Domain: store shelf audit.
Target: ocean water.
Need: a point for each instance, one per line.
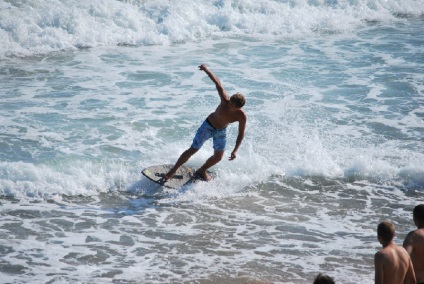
(93, 92)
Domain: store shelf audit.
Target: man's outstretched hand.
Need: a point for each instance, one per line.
(233, 156)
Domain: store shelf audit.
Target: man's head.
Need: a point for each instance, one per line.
(385, 232)
(238, 100)
(418, 214)
(323, 279)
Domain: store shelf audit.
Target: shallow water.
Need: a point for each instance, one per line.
(334, 142)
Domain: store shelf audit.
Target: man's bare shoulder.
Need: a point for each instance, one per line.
(402, 252)
(382, 253)
(243, 114)
(383, 256)
(241, 118)
(390, 252)
(379, 255)
(415, 237)
(419, 232)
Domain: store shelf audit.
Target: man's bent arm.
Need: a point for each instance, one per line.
(240, 137)
(408, 243)
(410, 274)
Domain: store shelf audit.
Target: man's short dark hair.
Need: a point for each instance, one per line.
(323, 279)
(419, 212)
(238, 100)
(386, 230)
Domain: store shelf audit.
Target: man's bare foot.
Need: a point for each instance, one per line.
(203, 176)
(168, 175)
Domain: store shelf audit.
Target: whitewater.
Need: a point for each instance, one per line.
(92, 93)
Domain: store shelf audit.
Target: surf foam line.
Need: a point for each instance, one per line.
(22, 180)
(31, 27)
(58, 178)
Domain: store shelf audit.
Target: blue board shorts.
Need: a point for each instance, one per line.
(206, 131)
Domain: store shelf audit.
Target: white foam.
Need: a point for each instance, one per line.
(66, 177)
(293, 127)
(327, 154)
(38, 27)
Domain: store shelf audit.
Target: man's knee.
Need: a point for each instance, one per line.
(192, 150)
(217, 155)
(187, 154)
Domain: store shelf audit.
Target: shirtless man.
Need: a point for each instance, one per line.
(228, 111)
(414, 243)
(392, 262)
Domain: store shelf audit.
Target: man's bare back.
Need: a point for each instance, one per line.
(392, 263)
(393, 266)
(414, 243)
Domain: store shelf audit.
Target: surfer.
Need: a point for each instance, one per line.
(228, 111)
(392, 262)
(414, 243)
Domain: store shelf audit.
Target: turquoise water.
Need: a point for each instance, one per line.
(93, 93)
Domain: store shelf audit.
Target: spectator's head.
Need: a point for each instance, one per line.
(418, 214)
(385, 232)
(323, 279)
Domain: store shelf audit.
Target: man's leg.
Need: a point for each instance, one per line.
(213, 160)
(181, 161)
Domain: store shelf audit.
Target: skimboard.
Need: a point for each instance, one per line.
(184, 175)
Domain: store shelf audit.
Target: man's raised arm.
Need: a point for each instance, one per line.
(221, 91)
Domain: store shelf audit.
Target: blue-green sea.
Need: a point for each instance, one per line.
(91, 93)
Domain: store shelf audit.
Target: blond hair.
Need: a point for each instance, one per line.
(238, 100)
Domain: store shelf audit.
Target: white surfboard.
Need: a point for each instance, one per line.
(184, 175)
